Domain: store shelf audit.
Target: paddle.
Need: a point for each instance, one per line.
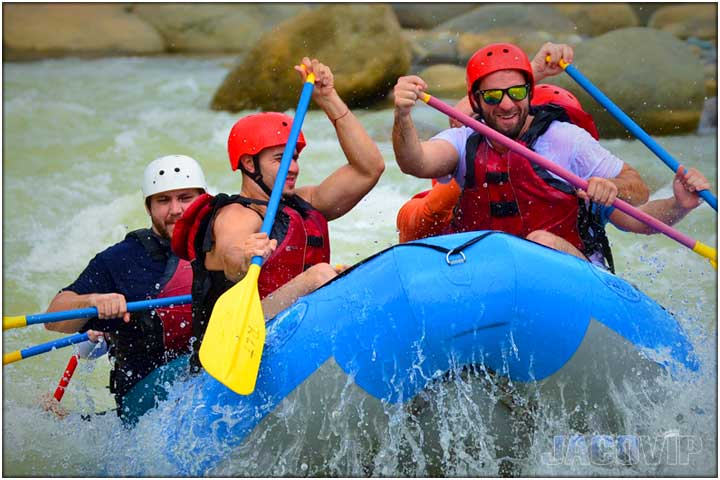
(628, 123)
(234, 339)
(696, 246)
(44, 348)
(90, 312)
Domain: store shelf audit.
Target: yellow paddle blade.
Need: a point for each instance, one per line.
(234, 339)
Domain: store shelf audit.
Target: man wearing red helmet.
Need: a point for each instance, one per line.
(502, 190)
(429, 213)
(221, 234)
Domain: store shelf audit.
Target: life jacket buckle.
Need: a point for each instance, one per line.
(456, 261)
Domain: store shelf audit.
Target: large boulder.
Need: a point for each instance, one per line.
(650, 75)
(593, 19)
(214, 27)
(529, 41)
(428, 15)
(363, 44)
(39, 30)
(429, 47)
(645, 10)
(687, 20)
(446, 81)
(535, 17)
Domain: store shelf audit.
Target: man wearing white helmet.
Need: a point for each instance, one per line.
(140, 267)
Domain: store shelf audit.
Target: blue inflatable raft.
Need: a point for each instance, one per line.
(398, 322)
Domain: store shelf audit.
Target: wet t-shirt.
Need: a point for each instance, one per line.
(126, 268)
(564, 144)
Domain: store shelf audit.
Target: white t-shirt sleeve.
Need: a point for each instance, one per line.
(574, 149)
(457, 137)
(564, 144)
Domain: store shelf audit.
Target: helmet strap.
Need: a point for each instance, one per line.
(256, 176)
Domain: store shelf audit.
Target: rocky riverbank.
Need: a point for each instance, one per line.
(658, 62)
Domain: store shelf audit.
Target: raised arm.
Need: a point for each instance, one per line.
(346, 186)
(422, 159)
(542, 68)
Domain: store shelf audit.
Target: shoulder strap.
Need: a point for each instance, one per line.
(156, 247)
(592, 233)
(543, 116)
(203, 240)
(471, 146)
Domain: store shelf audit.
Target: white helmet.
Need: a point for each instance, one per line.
(172, 172)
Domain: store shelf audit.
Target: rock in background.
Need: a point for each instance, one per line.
(362, 43)
(428, 15)
(651, 75)
(369, 45)
(32, 31)
(593, 19)
(214, 27)
(687, 20)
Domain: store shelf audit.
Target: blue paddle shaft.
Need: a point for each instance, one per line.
(55, 344)
(288, 154)
(92, 311)
(633, 127)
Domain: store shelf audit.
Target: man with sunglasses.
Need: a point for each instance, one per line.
(502, 190)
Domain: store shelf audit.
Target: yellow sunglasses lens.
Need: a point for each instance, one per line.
(492, 97)
(517, 93)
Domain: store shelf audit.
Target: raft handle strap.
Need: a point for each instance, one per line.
(456, 261)
(450, 252)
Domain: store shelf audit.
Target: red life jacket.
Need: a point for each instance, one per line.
(301, 232)
(504, 192)
(177, 320)
(507, 192)
(303, 241)
(306, 243)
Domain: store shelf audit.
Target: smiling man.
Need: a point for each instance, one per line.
(140, 267)
(221, 234)
(502, 190)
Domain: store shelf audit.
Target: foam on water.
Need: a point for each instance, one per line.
(74, 151)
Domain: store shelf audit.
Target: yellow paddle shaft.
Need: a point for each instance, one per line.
(16, 321)
(563, 64)
(12, 357)
(706, 251)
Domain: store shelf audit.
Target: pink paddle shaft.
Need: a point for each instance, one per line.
(557, 170)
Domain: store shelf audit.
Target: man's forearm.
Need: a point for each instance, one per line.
(665, 210)
(68, 300)
(406, 144)
(361, 152)
(631, 187)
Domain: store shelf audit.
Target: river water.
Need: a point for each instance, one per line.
(77, 135)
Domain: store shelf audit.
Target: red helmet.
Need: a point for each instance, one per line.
(546, 93)
(252, 134)
(493, 58)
